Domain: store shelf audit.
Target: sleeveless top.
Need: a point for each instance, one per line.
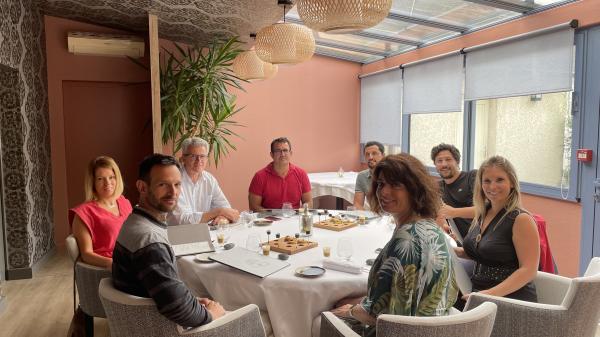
(102, 225)
(495, 255)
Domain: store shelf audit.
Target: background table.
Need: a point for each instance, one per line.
(329, 183)
(292, 302)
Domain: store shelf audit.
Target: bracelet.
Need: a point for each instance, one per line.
(350, 311)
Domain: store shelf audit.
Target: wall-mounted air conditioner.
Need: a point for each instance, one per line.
(85, 43)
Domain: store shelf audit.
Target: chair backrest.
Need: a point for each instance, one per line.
(582, 303)
(474, 323)
(72, 247)
(134, 316)
(593, 268)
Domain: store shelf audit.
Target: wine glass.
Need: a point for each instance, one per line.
(287, 210)
(344, 248)
(247, 217)
(253, 242)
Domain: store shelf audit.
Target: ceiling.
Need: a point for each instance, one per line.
(410, 24)
(191, 21)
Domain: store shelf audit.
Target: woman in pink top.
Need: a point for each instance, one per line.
(96, 223)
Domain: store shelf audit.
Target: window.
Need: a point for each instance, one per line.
(533, 132)
(429, 130)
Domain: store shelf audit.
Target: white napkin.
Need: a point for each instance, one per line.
(344, 266)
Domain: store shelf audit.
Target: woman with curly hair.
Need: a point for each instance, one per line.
(413, 274)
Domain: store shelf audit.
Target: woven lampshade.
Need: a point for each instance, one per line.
(285, 43)
(342, 16)
(248, 66)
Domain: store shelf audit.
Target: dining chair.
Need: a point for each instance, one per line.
(86, 279)
(566, 307)
(465, 324)
(133, 316)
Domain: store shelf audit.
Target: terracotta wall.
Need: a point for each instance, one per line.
(315, 104)
(64, 66)
(563, 221)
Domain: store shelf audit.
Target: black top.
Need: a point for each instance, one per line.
(459, 194)
(144, 265)
(496, 255)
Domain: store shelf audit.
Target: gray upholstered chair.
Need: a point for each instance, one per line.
(86, 280)
(567, 307)
(465, 324)
(133, 316)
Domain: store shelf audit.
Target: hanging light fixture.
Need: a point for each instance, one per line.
(248, 66)
(342, 16)
(285, 42)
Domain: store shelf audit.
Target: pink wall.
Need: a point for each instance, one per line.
(64, 66)
(563, 221)
(315, 104)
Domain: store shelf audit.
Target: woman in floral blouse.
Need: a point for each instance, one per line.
(413, 274)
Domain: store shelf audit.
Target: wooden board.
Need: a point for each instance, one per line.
(290, 245)
(336, 224)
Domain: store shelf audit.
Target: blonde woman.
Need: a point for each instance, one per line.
(96, 223)
(503, 239)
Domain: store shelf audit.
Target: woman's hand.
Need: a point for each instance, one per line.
(343, 311)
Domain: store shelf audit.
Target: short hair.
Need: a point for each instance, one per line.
(407, 170)
(479, 199)
(152, 160)
(193, 141)
(445, 147)
(378, 144)
(90, 177)
(279, 141)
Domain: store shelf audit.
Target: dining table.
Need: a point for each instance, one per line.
(293, 302)
(337, 184)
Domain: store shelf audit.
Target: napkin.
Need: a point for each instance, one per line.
(344, 266)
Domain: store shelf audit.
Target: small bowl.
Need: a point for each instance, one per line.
(228, 246)
(283, 256)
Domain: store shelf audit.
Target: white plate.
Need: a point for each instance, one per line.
(204, 258)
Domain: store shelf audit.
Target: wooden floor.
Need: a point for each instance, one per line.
(43, 306)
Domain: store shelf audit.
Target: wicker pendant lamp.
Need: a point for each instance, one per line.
(248, 66)
(285, 42)
(342, 16)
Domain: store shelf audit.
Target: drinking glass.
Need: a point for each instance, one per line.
(287, 210)
(247, 217)
(253, 242)
(344, 248)
(222, 234)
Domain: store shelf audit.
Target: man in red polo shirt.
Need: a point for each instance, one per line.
(280, 181)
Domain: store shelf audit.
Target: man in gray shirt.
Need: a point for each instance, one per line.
(374, 152)
(143, 260)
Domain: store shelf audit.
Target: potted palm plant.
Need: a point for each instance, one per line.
(196, 100)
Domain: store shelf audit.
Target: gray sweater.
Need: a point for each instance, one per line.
(144, 265)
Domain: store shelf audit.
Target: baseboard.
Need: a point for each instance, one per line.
(19, 274)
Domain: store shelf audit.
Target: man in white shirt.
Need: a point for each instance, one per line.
(201, 199)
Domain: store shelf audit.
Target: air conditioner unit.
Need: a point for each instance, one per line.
(105, 44)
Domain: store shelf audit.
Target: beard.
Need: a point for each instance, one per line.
(158, 205)
(448, 173)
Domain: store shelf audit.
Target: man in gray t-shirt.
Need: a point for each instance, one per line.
(374, 152)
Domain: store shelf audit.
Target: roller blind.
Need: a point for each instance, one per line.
(380, 107)
(434, 86)
(538, 64)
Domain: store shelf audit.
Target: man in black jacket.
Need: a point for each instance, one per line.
(143, 260)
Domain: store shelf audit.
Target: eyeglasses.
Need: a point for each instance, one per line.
(196, 156)
(286, 151)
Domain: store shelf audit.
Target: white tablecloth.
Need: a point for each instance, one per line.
(292, 302)
(329, 183)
